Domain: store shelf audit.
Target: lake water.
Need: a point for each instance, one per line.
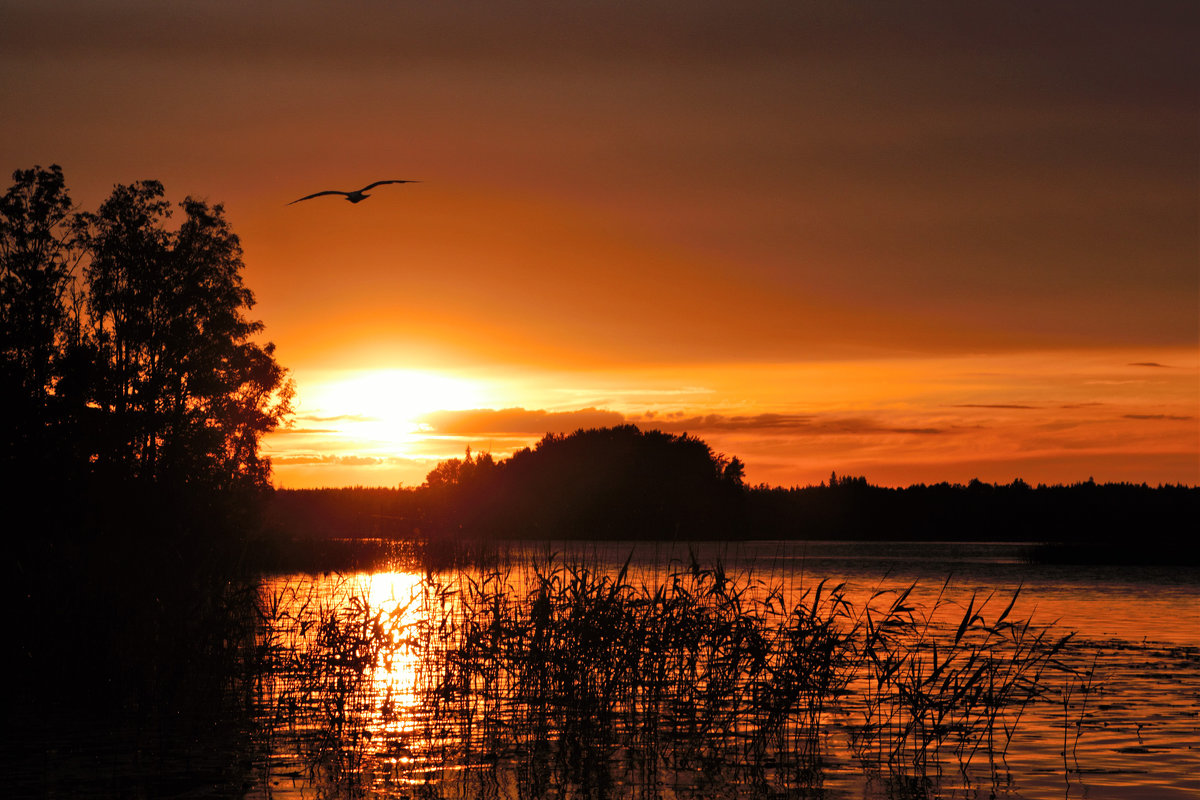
(1131, 730)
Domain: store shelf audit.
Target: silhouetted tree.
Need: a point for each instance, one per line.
(460, 472)
(143, 367)
(184, 391)
(37, 256)
(132, 401)
(733, 471)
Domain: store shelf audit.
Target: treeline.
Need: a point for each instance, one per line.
(1103, 515)
(623, 483)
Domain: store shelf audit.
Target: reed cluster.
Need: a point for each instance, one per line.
(942, 684)
(579, 677)
(317, 660)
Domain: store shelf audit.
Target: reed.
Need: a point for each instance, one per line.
(573, 674)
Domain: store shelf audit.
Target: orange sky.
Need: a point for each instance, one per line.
(916, 242)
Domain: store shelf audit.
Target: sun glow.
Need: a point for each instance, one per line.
(384, 405)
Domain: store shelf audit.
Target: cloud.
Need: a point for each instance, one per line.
(481, 422)
(1172, 417)
(651, 392)
(992, 405)
(341, 461)
(485, 421)
(797, 423)
(294, 429)
(1148, 364)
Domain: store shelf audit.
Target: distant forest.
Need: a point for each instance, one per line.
(624, 483)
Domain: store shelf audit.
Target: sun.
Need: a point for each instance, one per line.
(385, 405)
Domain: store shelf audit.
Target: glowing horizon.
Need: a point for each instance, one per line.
(1055, 417)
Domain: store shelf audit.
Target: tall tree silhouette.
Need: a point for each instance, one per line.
(37, 256)
(135, 397)
(141, 366)
(185, 390)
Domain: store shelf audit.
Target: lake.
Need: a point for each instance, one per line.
(786, 669)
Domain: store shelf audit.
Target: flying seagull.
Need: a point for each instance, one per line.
(355, 196)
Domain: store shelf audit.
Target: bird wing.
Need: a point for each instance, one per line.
(318, 194)
(380, 183)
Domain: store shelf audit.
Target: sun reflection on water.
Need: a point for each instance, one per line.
(396, 677)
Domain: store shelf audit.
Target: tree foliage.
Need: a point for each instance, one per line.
(37, 256)
(126, 345)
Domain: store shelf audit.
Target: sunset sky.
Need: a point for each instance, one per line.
(912, 241)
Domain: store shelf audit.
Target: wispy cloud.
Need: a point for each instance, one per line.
(335, 418)
(482, 422)
(341, 461)
(1172, 417)
(485, 421)
(993, 405)
(1148, 364)
(795, 423)
(644, 392)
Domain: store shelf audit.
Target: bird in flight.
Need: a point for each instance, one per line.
(354, 197)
